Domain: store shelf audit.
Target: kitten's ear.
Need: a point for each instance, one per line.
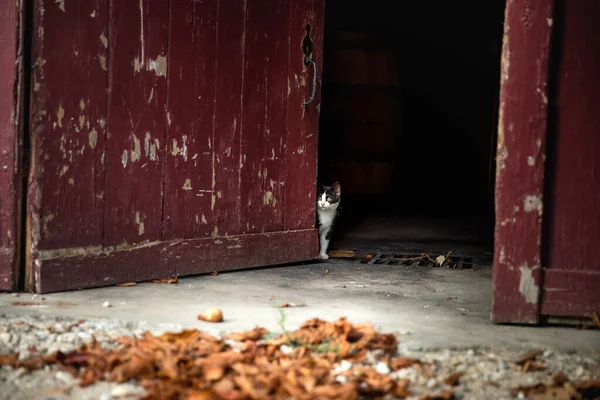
(337, 188)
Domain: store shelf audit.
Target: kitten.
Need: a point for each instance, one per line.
(328, 201)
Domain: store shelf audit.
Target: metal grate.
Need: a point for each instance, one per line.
(417, 260)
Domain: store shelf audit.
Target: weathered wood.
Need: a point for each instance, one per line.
(68, 121)
(264, 115)
(191, 156)
(135, 143)
(520, 161)
(228, 117)
(177, 257)
(572, 208)
(9, 143)
(303, 121)
(570, 293)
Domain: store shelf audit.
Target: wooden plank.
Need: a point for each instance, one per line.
(9, 143)
(191, 156)
(179, 257)
(303, 122)
(264, 115)
(135, 145)
(520, 161)
(573, 204)
(68, 121)
(228, 117)
(569, 293)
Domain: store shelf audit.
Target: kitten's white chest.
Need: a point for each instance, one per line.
(326, 218)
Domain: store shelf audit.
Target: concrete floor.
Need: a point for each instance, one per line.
(429, 307)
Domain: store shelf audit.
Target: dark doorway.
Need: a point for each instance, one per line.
(408, 122)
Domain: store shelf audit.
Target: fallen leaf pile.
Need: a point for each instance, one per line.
(169, 280)
(561, 389)
(194, 365)
(530, 363)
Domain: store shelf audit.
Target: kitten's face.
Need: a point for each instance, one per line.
(328, 197)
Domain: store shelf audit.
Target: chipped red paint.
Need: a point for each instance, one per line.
(303, 121)
(177, 257)
(265, 72)
(520, 161)
(136, 121)
(190, 133)
(9, 142)
(228, 117)
(216, 74)
(69, 117)
(572, 209)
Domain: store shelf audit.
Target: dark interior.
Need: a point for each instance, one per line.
(408, 122)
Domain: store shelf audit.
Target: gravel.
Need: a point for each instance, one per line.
(487, 373)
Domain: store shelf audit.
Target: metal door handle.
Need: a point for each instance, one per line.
(314, 83)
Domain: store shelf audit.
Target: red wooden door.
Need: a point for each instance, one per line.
(10, 114)
(547, 257)
(170, 138)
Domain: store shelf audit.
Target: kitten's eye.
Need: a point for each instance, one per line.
(329, 200)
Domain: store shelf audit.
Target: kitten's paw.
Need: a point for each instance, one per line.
(323, 256)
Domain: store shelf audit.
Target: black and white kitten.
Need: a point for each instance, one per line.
(328, 201)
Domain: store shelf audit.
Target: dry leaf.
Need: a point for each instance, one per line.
(211, 315)
(255, 334)
(288, 305)
(454, 379)
(341, 254)
(170, 280)
(325, 271)
(127, 284)
(596, 319)
(214, 273)
(445, 395)
(451, 298)
(440, 260)
(27, 303)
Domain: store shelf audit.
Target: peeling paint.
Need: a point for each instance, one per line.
(300, 150)
(213, 200)
(549, 21)
(204, 219)
(82, 104)
(175, 148)
(530, 161)
(169, 118)
(269, 199)
(93, 138)
(527, 285)
(137, 67)
(63, 171)
(61, 4)
(124, 158)
(187, 185)
(147, 144)
(219, 194)
(139, 223)
(533, 203)
(197, 219)
(93, 14)
(136, 152)
(71, 181)
(104, 40)
(215, 232)
(184, 149)
(159, 66)
(81, 121)
(153, 147)
(102, 60)
(60, 114)
(45, 222)
(502, 256)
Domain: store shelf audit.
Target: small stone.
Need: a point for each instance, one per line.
(345, 365)
(15, 294)
(64, 377)
(341, 379)
(382, 368)
(470, 352)
(106, 304)
(547, 353)
(285, 349)
(126, 391)
(431, 383)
